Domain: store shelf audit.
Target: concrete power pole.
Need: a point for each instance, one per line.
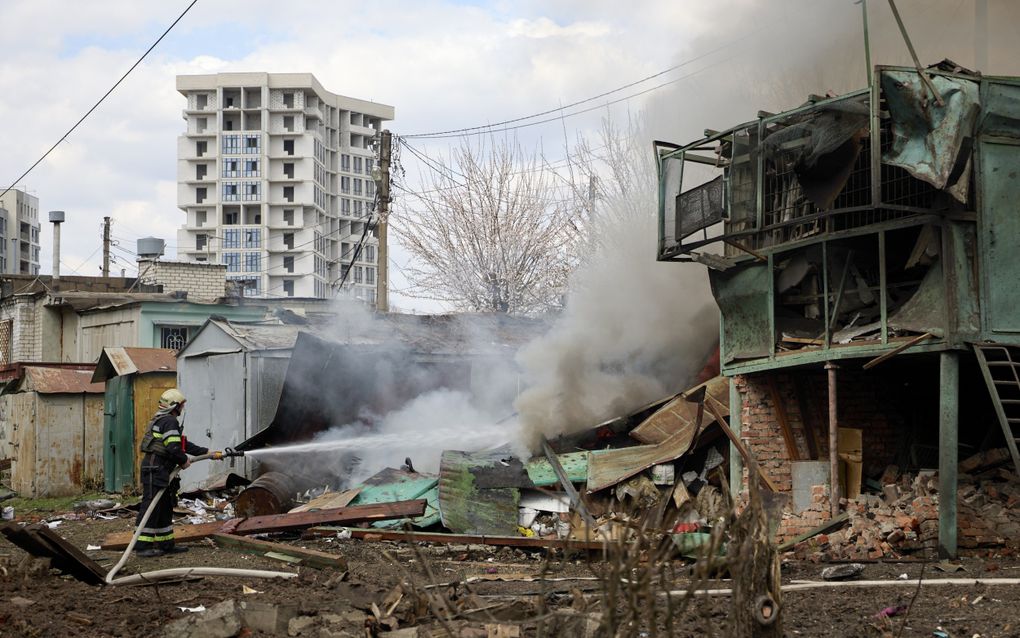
(106, 246)
(382, 301)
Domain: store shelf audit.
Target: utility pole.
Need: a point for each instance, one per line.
(382, 301)
(106, 246)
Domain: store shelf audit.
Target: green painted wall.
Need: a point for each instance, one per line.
(155, 314)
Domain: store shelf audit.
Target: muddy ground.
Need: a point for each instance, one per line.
(35, 601)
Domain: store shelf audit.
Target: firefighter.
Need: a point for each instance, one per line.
(165, 448)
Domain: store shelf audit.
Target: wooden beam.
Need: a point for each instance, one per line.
(285, 522)
(460, 539)
(309, 557)
(42, 542)
(568, 487)
(821, 529)
(737, 443)
(895, 351)
(784, 423)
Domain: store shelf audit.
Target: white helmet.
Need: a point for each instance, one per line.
(171, 399)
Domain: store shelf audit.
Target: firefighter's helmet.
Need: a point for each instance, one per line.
(171, 399)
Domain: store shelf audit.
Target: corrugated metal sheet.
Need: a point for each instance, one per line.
(680, 414)
(59, 381)
(118, 361)
(609, 467)
(575, 464)
(391, 485)
(468, 509)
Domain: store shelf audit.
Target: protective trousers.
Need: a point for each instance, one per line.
(158, 532)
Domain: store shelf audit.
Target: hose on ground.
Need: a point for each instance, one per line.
(179, 572)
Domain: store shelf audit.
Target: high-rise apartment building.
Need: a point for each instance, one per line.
(275, 175)
(19, 233)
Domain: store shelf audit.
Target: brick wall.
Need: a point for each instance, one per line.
(864, 402)
(202, 282)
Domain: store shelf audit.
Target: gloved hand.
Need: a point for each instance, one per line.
(217, 455)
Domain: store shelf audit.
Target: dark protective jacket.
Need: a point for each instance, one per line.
(166, 448)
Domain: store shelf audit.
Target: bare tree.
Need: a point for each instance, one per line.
(489, 232)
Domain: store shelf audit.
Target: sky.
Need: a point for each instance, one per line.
(441, 64)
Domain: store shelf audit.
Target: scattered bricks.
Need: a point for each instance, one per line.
(890, 475)
(907, 522)
(981, 460)
(891, 493)
(896, 536)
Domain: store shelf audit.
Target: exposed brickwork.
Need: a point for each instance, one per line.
(202, 281)
(862, 403)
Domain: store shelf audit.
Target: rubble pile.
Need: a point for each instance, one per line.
(905, 518)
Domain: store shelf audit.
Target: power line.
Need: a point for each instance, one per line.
(488, 127)
(105, 95)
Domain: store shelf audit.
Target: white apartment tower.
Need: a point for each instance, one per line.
(275, 175)
(19, 233)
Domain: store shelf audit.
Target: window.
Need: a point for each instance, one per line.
(288, 216)
(288, 240)
(359, 208)
(345, 250)
(201, 170)
(345, 184)
(345, 206)
(288, 169)
(288, 123)
(345, 162)
(251, 191)
(252, 237)
(369, 164)
(288, 193)
(288, 287)
(288, 100)
(200, 194)
(231, 218)
(369, 254)
(357, 187)
(201, 148)
(231, 144)
(173, 337)
(370, 276)
(288, 264)
(230, 193)
(232, 237)
(233, 261)
(252, 143)
(288, 147)
(252, 262)
(251, 168)
(201, 101)
(230, 165)
(228, 125)
(357, 164)
(359, 274)
(202, 124)
(369, 188)
(249, 286)
(201, 241)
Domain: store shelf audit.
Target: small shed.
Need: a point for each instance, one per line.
(52, 421)
(231, 374)
(135, 378)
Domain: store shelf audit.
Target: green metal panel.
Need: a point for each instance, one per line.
(1000, 183)
(575, 464)
(469, 509)
(1002, 110)
(746, 308)
(118, 434)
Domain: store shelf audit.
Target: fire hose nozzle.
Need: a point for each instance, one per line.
(232, 452)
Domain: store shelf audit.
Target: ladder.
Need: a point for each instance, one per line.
(1000, 366)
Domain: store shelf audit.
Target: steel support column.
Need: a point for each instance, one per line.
(949, 412)
(736, 463)
(834, 494)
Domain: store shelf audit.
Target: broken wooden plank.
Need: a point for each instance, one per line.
(286, 522)
(895, 351)
(309, 557)
(737, 443)
(568, 487)
(330, 500)
(459, 539)
(42, 542)
(821, 529)
(784, 423)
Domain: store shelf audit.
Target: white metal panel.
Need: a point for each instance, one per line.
(215, 411)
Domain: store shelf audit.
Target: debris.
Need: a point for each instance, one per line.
(329, 500)
(889, 612)
(8, 513)
(849, 571)
(92, 548)
(219, 621)
(438, 537)
(193, 610)
(297, 555)
(18, 601)
(42, 542)
(249, 590)
(947, 567)
(283, 522)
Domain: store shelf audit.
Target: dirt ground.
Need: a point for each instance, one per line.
(36, 601)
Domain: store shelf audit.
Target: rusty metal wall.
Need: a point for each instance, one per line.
(109, 328)
(59, 443)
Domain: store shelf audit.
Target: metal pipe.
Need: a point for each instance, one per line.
(834, 495)
(949, 419)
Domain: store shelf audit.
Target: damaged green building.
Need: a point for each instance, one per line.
(863, 252)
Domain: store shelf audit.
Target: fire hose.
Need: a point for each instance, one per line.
(183, 572)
